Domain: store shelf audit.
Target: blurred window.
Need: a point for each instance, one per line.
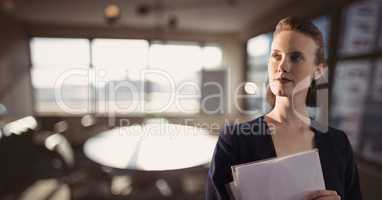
(60, 69)
(119, 75)
(258, 50)
(118, 63)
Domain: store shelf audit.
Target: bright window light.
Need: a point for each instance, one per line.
(212, 57)
(120, 59)
(62, 52)
(107, 72)
(175, 57)
(119, 52)
(259, 46)
(60, 74)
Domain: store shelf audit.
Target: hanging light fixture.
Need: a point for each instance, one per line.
(173, 22)
(112, 13)
(8, 6)
(144, 10)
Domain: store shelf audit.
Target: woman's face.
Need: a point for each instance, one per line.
(292, 63)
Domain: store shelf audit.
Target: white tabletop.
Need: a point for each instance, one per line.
(154, 146)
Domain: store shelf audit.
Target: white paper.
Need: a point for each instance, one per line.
(285, 178)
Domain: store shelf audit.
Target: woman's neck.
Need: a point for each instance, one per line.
(288, 110)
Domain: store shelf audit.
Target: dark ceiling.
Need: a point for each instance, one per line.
(212, 16)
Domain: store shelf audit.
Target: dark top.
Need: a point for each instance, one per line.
(250, 141)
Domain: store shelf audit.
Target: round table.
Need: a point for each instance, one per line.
(152, 146)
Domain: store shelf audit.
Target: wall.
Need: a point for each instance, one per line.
(15, 81)
(234, 58)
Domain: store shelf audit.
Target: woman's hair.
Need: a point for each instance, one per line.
(307, 28)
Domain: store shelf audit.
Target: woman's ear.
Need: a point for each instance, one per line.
(319, 71)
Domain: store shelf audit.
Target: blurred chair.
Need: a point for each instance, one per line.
(28, 155)
(3, 112)
(58, 143)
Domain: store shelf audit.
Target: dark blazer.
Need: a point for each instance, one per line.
(250, 141)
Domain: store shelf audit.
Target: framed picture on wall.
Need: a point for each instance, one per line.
(372, 148)
(372, 118)
(360, 28)
(349, 94)
(376, 88)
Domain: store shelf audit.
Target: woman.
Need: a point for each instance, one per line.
(297, 59)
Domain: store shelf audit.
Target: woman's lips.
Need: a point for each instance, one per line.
(283, 80)
(283, 77)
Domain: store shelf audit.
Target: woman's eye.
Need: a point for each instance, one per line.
(295, 58)
(276, 56)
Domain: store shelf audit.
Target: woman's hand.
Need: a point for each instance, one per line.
(322, 195)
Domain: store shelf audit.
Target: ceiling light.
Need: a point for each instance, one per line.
(112, 13)
(173, 22)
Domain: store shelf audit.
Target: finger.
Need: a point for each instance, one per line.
(330, 197)
(319, 193)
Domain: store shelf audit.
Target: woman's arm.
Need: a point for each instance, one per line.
(352, 186)
(219, 173)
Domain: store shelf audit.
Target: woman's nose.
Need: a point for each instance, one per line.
(283, 65)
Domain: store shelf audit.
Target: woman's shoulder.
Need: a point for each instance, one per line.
(246, 141)
(336, 135)
(252, 127)
(338, 140)
(241, 133)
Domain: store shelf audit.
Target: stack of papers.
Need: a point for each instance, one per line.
(282, 178)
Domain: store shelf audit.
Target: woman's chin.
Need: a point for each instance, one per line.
(282, 94)
(282, 91)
